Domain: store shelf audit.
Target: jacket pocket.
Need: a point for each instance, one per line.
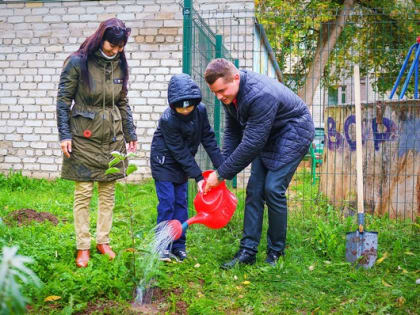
(83, 123)
(88, 115)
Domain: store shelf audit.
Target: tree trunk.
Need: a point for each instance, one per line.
(328, 36)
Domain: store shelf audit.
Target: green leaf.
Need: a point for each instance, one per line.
(114, 162)
(121, 208)
(117, 154)
(140, 193)
(131, 155)
(131, 168)
(112, 170)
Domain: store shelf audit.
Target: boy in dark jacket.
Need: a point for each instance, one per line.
(181, 129)
(269, 125)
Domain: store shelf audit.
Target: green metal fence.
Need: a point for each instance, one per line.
(200, 46)
(376, 38)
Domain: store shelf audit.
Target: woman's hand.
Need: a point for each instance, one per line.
(66, 147)
(132, 146)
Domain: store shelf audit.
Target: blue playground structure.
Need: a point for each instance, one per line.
(414, 68)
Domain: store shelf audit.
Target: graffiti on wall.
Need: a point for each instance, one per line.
(408, 137)
(337, 141)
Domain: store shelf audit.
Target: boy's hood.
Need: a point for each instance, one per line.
(182, 87)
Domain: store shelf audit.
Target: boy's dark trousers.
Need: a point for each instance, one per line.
(172, 206)
(268, 186)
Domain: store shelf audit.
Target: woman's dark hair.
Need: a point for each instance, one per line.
(112, 30)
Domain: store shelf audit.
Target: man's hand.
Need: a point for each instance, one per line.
(66, 147)
(132, 146)
(211, 182)
(200, 185)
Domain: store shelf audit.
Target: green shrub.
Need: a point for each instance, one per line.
(12, 272)
(17, 182)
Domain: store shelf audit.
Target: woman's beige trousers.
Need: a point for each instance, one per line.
(82, 197)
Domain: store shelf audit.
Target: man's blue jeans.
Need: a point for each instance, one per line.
(268, 186)
(172, 206)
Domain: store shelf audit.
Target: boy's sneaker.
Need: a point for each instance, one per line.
(180, 253)
(165, 255)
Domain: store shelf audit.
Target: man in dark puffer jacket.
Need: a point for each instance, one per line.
(182, 128)
(269, 125)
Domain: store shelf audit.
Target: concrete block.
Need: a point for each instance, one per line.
(15, 19)
(8, 100)
(134, 8)
(49, 167)
(43, 130)
(31, 137)
(88, 17)
(114, 9)
(52, 18)
(76, 10)
(38, 145)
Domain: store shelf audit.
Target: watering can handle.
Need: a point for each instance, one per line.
(359, 152)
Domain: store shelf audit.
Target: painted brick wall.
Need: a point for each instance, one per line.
(36, 37)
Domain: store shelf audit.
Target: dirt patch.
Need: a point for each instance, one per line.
(26, 216)
(104, 307)
(157, 301)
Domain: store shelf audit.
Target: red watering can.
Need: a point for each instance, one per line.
(214, 209)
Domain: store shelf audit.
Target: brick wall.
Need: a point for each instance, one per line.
(36, 37)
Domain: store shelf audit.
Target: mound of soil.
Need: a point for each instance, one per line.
(26, 216)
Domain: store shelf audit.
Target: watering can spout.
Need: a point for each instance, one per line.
(185, 226)
(176, 229)
(198, 218)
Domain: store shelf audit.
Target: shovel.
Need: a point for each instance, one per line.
(361, 246)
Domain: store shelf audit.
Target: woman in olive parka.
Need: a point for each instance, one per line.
(94, 119)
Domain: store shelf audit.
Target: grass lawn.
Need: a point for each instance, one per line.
(312, 278)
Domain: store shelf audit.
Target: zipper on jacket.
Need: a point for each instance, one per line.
(114, 138)
(103, 107)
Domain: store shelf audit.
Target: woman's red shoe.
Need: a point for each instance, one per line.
(105, 249)
(82, 258)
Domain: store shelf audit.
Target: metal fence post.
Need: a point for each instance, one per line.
(187, 37)
(234, 180)
(186, 68)
(217, 114)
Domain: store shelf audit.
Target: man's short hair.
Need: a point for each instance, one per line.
(219, 68)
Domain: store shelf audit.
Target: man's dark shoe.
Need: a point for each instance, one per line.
(273, 257)
(180, 253)
(241, 257)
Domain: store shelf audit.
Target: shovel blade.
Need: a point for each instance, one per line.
(361, 248)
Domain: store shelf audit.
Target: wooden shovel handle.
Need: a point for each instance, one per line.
(359, 152)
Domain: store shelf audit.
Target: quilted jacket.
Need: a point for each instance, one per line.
(177, 138)
(270, 120)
